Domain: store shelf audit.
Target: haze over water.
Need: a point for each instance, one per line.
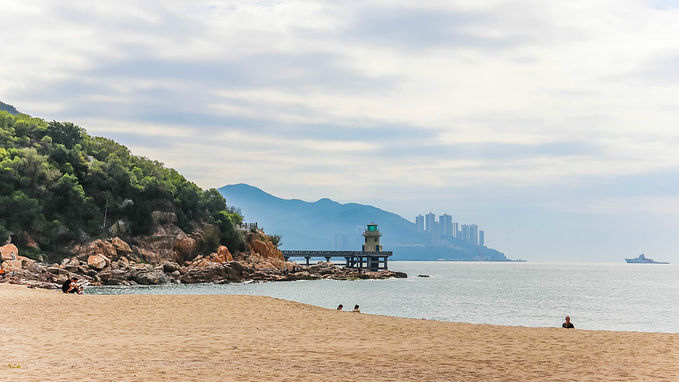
(622, 297)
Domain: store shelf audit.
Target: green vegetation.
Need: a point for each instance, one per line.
(60, 186)
(276, 240)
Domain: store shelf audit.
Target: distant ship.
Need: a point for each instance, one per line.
(644, 260)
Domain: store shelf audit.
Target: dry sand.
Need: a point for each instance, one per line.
(58, 337)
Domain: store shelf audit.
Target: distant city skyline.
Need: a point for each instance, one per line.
(445, 228)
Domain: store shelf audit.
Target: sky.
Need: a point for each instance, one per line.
(553, 126)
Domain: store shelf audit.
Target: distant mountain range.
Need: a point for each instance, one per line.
(326, 224)
(8, 108)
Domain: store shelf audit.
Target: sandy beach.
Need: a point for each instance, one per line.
(49, 336)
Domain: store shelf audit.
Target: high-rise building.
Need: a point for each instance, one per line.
(419, 222)
(430, 220)
(464, 232)
(446, 225)
(474, 234)
(456, 231)
(482, 239)
(435, 232)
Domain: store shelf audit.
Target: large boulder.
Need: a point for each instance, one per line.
(97, 247)
(153, 277)
(122, 248)
(223, 254)
(170, 267)
(266, 249)
(33, 266)
(9, 252)
(12, 265)
(119, 228)
(205, 274)
(185, 247)
(113, 278)
(208, 272)
(324, 268)
(98, 262)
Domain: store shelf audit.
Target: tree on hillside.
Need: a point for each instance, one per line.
(58, 184)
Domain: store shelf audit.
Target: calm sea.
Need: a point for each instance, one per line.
(625, 297)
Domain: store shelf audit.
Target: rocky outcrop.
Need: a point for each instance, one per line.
(163, 218)
(168, 243)
(265, 249)
(168, 255)
(103, 248)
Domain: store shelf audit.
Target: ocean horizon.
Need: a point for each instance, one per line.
(597, 296)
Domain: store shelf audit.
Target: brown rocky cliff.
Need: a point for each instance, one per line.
(168, 242)
(265, 249)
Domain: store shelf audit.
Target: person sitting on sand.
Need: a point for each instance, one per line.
(71, 286)
(356, 310)
(340, 307)
(568, 324)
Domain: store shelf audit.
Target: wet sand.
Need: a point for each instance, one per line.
(50, 336)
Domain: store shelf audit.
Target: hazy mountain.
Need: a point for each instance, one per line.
(8, 108)
(314, 225)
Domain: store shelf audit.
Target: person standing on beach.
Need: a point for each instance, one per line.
(568, 324)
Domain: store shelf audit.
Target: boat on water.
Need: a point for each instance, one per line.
(644, 260)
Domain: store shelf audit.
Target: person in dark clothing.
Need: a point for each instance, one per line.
(568, 324)
(70, 286)
(66, 286)
(340, 307)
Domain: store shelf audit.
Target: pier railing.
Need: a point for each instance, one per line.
(353, 259)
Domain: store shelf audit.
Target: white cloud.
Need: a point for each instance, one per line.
(445, 98)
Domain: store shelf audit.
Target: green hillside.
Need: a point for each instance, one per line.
(60, 186)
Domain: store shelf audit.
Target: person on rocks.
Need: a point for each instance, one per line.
(340, 307)
(71, 286)
(2, 273)
(568, 324)
(356, 310)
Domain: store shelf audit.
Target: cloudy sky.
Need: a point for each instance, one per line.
(554, 126)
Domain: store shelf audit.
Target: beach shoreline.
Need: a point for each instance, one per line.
(48, 335)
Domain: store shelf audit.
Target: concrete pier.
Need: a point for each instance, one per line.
(374, 261)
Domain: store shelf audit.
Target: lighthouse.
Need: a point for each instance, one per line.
(371, 256)
(372, 239)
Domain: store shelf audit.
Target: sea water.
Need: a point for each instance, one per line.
(623, 297)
